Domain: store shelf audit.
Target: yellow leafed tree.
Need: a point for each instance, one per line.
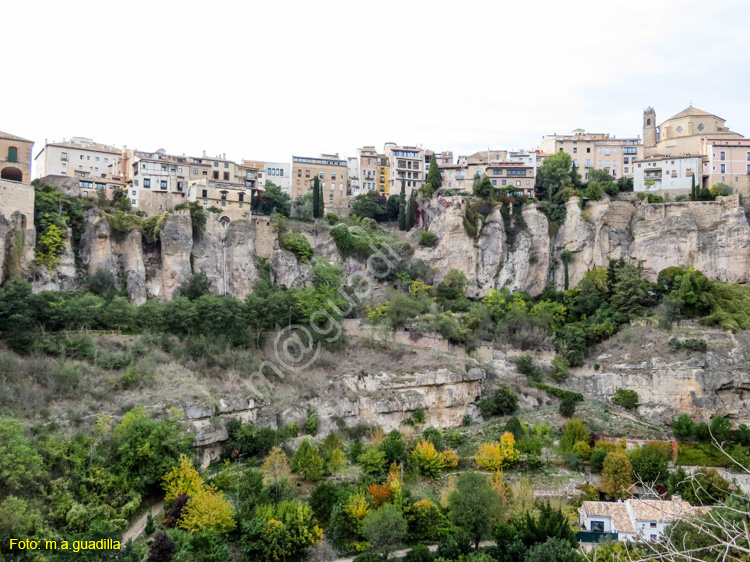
(276, 463)
(182, 479)
(494, 456)
(208, 511)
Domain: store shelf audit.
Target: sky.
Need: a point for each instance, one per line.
(266, 80)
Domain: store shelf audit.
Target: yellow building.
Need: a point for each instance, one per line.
(331, 170)
(15, 158)
(383, 171)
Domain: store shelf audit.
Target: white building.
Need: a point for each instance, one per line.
(352, 164)
(667, 173)
(643, 520)
(405, 162)
(77, 157)
(278, 173)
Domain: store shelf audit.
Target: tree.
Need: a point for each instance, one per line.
(474, 506)
(195, 286)
(693, 191)
(628, 292)
(426, 460)
(553, 550)
(482, 187)
(20, 464)
(307, 462)
(182, 479)
(316, 194)
(372, 461)
(568, 406)
(411, 212)
(683, 427)
(434, 179)
(275, 533)
(650, 463)
(370, 205)
(384, 529)
(162, 548)
(626, 398)
(494, 456)
(208, 511)
(573, 431)
(402, 207)
(321, 202)
(555, 173)
(617, 476)
(273, 200)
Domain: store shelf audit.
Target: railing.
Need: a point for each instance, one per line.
(595, 537)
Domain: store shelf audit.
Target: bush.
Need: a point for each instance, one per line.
(689, 344)
(628, 399)
(560, 393)
(298, 244)
(525, 365)
(504, 402)
(560, 369)
(332, 218)
(568, 406)
(428, 239)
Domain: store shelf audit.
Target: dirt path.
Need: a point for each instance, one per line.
(139, 524)
(404, 552)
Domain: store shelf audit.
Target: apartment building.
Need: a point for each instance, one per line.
(15, 158)
(78, 157)
(330, 169)
(444, 158)
(368, 164)
(514, 175)
(596, 150)
(159, 181)
(233, 199)
(352, 171)
(279, 173)
(726, 161)
(667, 172)
(404, 162)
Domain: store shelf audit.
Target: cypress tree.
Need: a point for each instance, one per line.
(411, 217)
(316, 197)
(402, 207)
(433, 176)
(321, 203)
(693, 193)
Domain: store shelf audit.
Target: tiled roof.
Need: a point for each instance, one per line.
(616, 511)
(658, 510)
(693, 112)
(12, 137)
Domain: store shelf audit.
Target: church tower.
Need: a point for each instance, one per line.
(650, 135)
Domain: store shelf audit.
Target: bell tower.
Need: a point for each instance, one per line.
(650, 134)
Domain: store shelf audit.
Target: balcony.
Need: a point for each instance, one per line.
(652, 175)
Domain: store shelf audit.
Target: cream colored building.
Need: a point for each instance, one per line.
(159, 181)
(368, 159)
(233, 200)
(673, 173)
(596, 150)
(725, 155)
(404, 162)
(15, 158)
(331, 170)
(78, 157)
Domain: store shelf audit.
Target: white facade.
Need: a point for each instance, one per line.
(352, 165)
(78, 157)
(279, 173)
(405, 162)
(667, 173)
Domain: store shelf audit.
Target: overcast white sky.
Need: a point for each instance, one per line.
(265, 80)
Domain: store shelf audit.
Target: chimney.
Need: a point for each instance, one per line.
(204, 153)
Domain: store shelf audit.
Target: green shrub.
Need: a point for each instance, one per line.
(560, 369)
(568, 406)
(332, 218)
(428, 239)
(525, 365)
(626, 398)
(502, 403)
(689, 344)
(558, 392)
(298, 244)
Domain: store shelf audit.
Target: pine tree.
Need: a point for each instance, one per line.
(402, 207)
(316, 197)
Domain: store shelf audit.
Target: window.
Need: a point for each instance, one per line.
(205, 172)
(575, 149)
(226, 164)
(97, 159)
(106, 160)
(63, 174)
(494, 182)
(322, 175)
(223, 203)
(722, 155)
(179, 186)
(653, 537)
(147, 182)
(626, 169)
(204, 193)
(588, 149)
(597, 526)
(241, 198)
(281, 171)
(598, 150)
(606, 151)
(224, 195)
(195, 170)
(164, 185)
(518, 182)
(64, 156)
(64, 165)
(333, 175)
(226, 176)
(588, 163)
(82, 159)
(216, 164)
(625, 160)
(723, 169)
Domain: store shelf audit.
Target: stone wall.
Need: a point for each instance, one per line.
(19, 197)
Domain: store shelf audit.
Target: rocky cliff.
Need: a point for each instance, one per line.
(517, 253)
